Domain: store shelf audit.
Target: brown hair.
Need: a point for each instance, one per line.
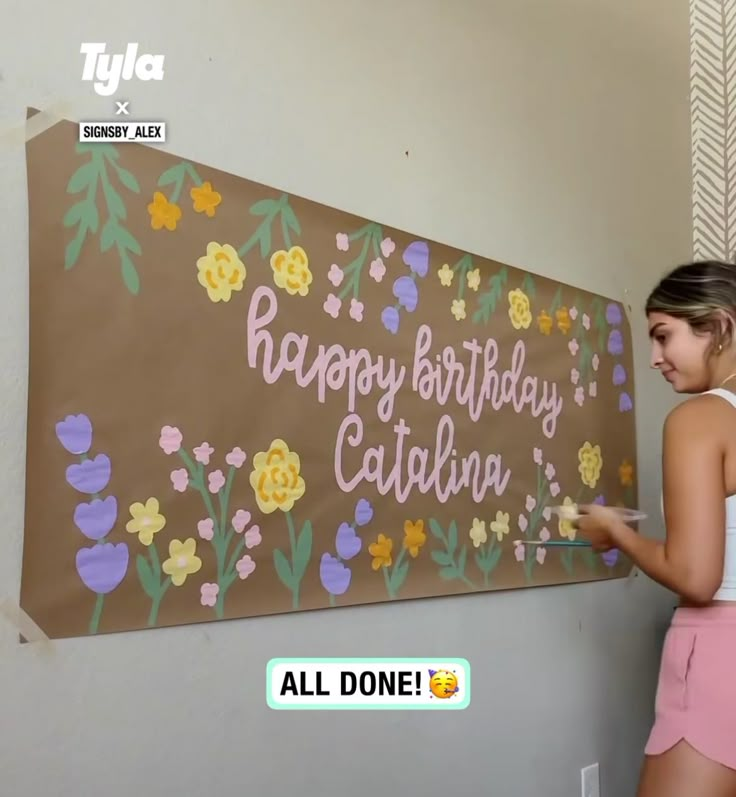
(702, 293)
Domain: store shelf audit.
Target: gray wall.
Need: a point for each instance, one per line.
(549, 134)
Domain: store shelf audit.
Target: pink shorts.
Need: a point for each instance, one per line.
(696, 693)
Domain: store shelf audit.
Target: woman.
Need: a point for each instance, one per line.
(691, 751)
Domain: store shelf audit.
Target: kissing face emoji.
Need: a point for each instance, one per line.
(442, 683)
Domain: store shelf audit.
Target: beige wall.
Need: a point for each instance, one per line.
(553, 135)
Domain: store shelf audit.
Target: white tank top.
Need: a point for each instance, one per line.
(727, 590)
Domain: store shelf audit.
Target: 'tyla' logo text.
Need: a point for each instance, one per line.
(109, 70)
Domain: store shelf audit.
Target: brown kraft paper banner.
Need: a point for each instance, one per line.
(244, 403)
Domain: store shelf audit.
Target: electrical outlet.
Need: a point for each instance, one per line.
(590, 781)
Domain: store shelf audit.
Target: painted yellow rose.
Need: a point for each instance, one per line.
(275, 478)
(381, 552)
(500, 525)
(544, 320)
(146, 520)
(205, 199)
(458, 309)
(414, 536)
(564, 322)
(474, 279)
(519, 310)
(291, 270)
(478, 532)
(221, 272)
(590, 465)
(565, 525)
(182, 561)
(163, 213)
(445, 274)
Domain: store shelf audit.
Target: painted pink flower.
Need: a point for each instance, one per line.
(538, 456)
(573, 313)
(206, 528)
(573, 345)
(574, 376)
(541, 554)
(523, 523)
(356, 310)
(236, 457)
(332, 305)
(549, 471)
(335, 275)
(170, 440)
(216, 481)
(253, 537)
(342, 241)
(547, 513)
(595, 362)
(180, 479)
(586, 321)
(544, 534)
(377, 269)
(554, 489)
(203, 453)
(519, 551)
(245, 566)
(208, 594)
(593, 389)
(240, 520)
(579, 395)
(387, 247)
(530, 503)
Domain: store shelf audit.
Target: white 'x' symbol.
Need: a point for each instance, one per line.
(122, 107)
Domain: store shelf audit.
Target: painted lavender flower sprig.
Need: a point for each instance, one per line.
(334, 574)
(416, 257)
(102, 566)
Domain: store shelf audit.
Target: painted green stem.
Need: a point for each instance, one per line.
(94, 623)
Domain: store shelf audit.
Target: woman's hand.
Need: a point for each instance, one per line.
(599, 525)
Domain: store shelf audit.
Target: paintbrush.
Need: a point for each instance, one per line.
(555, 543)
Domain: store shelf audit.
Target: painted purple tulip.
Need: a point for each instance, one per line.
(619, 374)
(615, 342)
(90, 476)
(103, 567)
(416, 256)
(624, 402)
(363, 512)
(390, 319)
(405, 290)
(97, 518)
(347, 542)
(613, 314)
(333, 574)
(75, 433)
(610, 557)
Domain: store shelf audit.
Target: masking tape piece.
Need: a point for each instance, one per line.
(22, 622)
(37, 124)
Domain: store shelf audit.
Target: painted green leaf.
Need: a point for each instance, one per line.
(303, 549)
(462, 559)
(91, 217)
(442, 558)
(452, 538)
(128, 180)
(556, 302)
(262, 207)
(265, 241)
(528, 286)
(291, 220)
(172, 175)
(481, 563)
(145, 574)
(282, 567)
(73, 248)
(566, 562)
(130, 275)
(115, 204)
(109, 234)
(127, 241)
(494, 557)
(81, 179)
(399, 576)
(448, 573)
(436, 529)
(74, 214)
